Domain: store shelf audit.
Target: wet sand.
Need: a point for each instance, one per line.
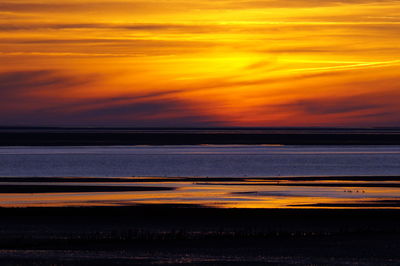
(269, 192)
(130, 232)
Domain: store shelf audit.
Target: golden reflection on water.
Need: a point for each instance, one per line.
(215, 194)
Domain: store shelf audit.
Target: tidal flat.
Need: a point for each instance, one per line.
(184, 234)
(261, 193)
(200, 205)
(199, 221)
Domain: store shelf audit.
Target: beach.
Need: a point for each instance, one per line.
(76, 221)
(200, 205)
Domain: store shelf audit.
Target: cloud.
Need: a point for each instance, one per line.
(151, 6)
(206, 61)
(164, 112)
(112, 41)
(16, 84)
(60, 6)
(166, 27)
(137, 109)
(298, 3)
(340, 105)
(343, 21)
(35, 98)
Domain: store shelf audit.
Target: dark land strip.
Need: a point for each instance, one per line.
(93, 138)
(70, 189)
(304, 184)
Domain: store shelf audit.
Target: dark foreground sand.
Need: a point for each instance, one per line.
(192, 235)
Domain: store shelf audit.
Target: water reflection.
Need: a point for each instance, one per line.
(244, 193)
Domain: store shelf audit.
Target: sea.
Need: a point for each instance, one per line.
(267, 176)
(200, 161)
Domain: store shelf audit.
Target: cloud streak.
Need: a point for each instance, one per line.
(206, 62)
(30, 88)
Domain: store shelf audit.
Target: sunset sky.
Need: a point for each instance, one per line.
(200, 63)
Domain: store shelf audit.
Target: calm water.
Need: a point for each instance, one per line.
(206, 161)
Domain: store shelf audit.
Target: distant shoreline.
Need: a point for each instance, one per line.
(113, 137)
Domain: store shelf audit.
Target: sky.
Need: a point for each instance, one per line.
(204, 63)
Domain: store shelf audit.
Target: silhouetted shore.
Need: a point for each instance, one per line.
(71, 189)
(90, 137)
(187, 234)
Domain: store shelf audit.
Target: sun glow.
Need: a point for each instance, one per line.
(185, 63)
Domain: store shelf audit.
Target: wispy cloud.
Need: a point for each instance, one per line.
(16, 84)
(206, 62)
(33, 100)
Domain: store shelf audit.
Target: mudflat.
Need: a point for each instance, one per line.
(190, 234)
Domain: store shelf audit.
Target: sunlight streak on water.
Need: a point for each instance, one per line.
(221, 195)
(234, 162)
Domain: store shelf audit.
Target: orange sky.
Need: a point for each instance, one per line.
(200, 63)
